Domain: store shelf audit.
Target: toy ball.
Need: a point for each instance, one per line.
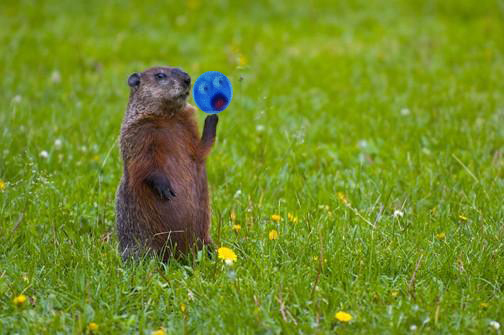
(212, 92)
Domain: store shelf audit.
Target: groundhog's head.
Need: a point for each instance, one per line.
(163, 88)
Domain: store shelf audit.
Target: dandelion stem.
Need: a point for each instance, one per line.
(465, 168)
(411, 286)
(356, 212)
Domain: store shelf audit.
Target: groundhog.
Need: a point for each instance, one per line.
(162, 201)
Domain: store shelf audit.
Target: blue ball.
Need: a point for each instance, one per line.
(212, 92)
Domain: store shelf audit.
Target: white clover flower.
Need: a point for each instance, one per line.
(398, 213)
(44, 154)
(413, 328)
(55, 77)
(494, 324)
(58, 143)
(17, 99)
(363, 144)
(405, 111)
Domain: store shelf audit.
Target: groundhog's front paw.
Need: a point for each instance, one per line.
(164, 192)
(161, 186)
(211, 121)
(210, 128)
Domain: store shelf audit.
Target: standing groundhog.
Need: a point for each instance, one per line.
(162, 201)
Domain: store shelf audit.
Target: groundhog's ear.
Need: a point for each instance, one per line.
(134, 80)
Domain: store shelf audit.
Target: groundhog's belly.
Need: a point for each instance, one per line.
(183, 216)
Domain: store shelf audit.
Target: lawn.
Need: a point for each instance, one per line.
(368, 134)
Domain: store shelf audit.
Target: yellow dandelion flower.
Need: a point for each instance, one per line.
(325, 208)
(316, 259)
(343, 316)
(95, 158)
(2, 185)
(276, 218)
(441, 236)
(19, 300)
(160, 331)
(292, 218)
(92, 326)
(236, 228)
(394, 293)
(242, 60)
(232, 215)
(342, 198)
(182, 308)
(226, 254)
(273, 235)
(484, 305)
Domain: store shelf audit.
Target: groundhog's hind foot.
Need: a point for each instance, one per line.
(130, 253)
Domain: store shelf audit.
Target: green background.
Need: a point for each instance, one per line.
(399, 105)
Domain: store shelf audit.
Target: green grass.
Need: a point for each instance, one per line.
(398, 105)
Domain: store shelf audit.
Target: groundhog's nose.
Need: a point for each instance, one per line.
(183, 76)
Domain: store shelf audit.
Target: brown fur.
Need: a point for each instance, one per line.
(159, 136)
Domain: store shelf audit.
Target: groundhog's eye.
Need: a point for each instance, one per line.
(161, 75)
(203, 88)
(218, 82)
